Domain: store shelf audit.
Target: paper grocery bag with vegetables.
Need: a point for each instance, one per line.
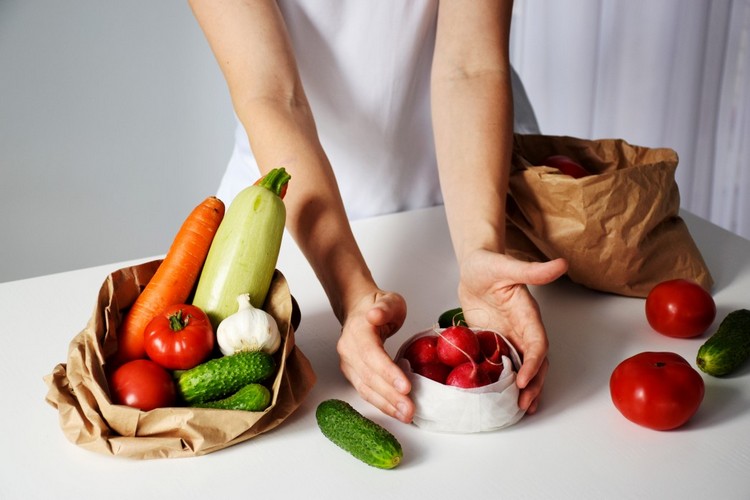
(610, 208)
(193, 353)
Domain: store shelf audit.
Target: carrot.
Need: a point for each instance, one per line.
(174, 279)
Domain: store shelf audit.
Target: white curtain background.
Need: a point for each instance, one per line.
(657, 73)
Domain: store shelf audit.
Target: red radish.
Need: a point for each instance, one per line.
(492, 345)
(456, 345)
(492, 369)
(436, 371)
(422, 350)
(467, 375)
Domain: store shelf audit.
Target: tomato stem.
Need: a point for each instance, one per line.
(176, 322)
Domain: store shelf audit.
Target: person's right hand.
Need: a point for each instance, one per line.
(364, 361)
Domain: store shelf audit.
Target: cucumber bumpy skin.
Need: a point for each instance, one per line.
(252, 397)
(728, 348)
(358, 435)
(220, 377)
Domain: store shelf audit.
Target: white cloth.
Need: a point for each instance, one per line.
(365, 67)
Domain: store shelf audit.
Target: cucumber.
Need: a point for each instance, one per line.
(252, 397)
(452, 317)
(219, 377)
(244, 252)
(358, 435)
(728, 348)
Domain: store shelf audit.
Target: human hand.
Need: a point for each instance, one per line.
(364, 361)
(493, 293)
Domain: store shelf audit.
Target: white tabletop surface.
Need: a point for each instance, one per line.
(577, 445)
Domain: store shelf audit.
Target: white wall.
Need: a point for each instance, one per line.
(114, 123)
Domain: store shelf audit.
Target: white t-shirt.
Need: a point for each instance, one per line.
(365, 67)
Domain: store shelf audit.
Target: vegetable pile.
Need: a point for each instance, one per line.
(197, 334)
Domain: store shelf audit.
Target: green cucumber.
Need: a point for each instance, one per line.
(243, 254)
(728, 348)
(252, 397)
(358, 435)
(452, 317)
(219, 377)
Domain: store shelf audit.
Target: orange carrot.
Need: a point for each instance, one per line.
(173, 280)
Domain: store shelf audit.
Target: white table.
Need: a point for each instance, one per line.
(577, 446)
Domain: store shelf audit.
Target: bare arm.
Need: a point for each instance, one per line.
(472, 116)
(251, 44)
(473, 124)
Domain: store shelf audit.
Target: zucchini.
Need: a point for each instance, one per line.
(358, 435)
(252, 397)
(243, 254)
(452, 317)
(219, 377)
(728, 348)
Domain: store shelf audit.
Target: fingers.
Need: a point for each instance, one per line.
(381, 383)
(367, 365)
(529, 396)
(534, 273)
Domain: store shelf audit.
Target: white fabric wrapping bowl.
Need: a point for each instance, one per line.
(445, 408)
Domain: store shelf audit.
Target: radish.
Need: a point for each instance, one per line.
(467, 375)
(493, 346)
(492, 369)
(456, 345)
(421, 351)
(436, 371)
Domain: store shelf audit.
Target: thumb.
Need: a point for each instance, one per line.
(389, 311)
(534, 273)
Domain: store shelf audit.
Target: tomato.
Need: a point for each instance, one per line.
(680, 308)
(143, 384)
(179, 338)
(658, 390)
(566, 165)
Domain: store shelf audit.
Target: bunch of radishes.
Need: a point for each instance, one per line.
(458, 356)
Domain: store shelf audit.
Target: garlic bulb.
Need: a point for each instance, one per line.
(248, 329)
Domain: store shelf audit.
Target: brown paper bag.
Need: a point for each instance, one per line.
(619, 229)
(79, 389)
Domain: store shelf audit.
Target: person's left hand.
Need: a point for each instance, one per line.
(493, 294)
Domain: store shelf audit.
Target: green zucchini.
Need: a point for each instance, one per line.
(728, 348)
(452, 317)
(219, 377)
(244, 252)
(358, 435)
(252, 397)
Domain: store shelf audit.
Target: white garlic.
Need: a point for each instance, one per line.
(248, 329)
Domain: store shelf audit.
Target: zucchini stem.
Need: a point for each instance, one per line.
(275, 180)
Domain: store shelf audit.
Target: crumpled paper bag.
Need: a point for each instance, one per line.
(444, 408)
(79, 391)
(619, 229)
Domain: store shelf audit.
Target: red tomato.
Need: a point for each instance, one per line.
(658, 390)
(566, 165)
(142, 384)
(179, 338)
(680, 308)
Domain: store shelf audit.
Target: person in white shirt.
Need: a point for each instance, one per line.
(376, 107)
